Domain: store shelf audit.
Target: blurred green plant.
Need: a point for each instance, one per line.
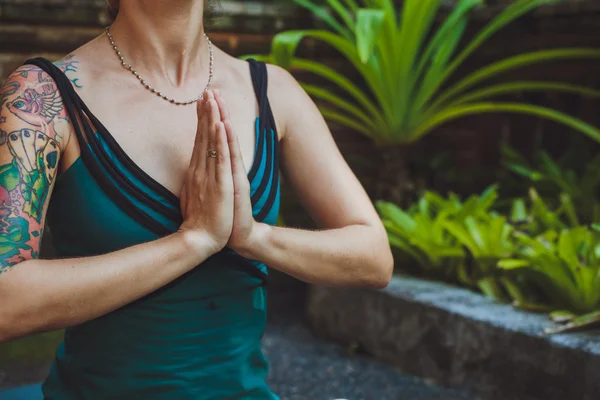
(420, 234)
(406, 65)
(534, 216)
(566, 267)
(576, 193)
(488, 241)
(538, 259)
(457, 241)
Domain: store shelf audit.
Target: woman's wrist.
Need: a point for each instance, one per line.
(257, 240)
(199, 243)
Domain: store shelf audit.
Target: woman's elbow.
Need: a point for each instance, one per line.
(382, 274)
(381, 266)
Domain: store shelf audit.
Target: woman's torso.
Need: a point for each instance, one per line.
(199, 336)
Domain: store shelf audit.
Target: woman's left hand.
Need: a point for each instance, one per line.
(244, 225)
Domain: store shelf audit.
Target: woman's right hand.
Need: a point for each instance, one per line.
(207, 194)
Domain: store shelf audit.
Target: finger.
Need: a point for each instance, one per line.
(213, 119)
(211, 129)
(200, 144)
(208, 95)
(215, 115)
(241, 185)
(223, 161)
(223, 110)
(238, 169)
(200, 136)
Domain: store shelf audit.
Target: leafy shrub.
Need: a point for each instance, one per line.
(536, 259)
(566, 267)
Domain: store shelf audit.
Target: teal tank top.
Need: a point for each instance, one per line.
(199, 336)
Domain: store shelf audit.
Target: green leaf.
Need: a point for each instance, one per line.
(509, 14)
(490, 288)
(482, 108)
(406, 248)
(343, 13)
(322, 13)
(530, 174)
(488, 197)
(351, 4)
(346, 120)
(569, 209)
(323, 94)
(457, 17)
(284, 46)
(509, 64)
(457, 230)
(343, 83)
(562, 316)
(516, 294)
(585, 321)
(519, 211)
(368, 25)
(510, 264)
(474, 231)
(523, 86)
(396, 215)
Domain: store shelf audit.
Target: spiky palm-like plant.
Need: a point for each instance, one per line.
(406, 66)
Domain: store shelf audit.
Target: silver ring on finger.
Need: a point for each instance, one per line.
(211, 153)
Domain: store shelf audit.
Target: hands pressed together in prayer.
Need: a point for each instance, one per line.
(215, 198)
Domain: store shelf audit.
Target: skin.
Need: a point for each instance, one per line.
(165, 44)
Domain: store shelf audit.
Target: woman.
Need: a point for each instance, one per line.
(163, 231)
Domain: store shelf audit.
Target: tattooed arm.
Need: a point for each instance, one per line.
(40, 295)
(33, 129)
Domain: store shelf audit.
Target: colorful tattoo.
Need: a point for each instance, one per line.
(8, 89)
(69, 66)
(31, 105)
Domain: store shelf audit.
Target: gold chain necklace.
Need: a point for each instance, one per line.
(150, 88)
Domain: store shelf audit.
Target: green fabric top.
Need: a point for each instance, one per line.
(196, 338)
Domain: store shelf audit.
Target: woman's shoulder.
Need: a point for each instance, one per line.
(30, 100)
(287, 97)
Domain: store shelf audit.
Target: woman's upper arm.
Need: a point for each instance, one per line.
(33, 132)
(311, 160)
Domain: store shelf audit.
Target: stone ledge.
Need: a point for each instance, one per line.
(459, 338)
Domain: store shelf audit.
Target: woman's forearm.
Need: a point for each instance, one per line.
(42, 295)
(356, 255)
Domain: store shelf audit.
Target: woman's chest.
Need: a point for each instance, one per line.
(159, 137)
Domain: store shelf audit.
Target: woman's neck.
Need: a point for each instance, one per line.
(164, 38)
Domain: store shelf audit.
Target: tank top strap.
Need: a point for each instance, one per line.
(258, 72)
(269, 184)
